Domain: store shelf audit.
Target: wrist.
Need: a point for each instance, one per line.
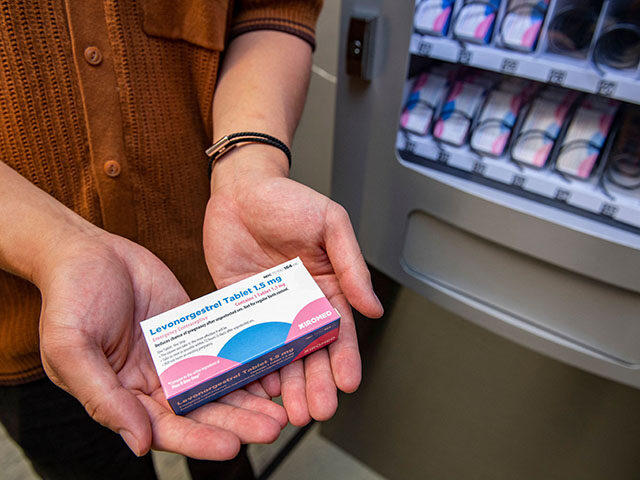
(246, 162)
(35, 226)
(65, 238)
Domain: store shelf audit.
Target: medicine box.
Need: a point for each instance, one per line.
(215, 344)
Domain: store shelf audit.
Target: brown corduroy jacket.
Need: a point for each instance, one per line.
(106, 105)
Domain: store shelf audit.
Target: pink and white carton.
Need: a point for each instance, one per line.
(220, 342)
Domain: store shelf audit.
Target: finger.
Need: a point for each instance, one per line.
(322, 395)
(348, 263)
(248, 425)
(243, 399)
(344, 352)
(184, 435)
(294, 397)
(256, 388)
(96, 386)
(271, 384)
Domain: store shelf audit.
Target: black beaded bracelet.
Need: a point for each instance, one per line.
(226, 143)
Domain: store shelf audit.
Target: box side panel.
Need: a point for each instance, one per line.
(254, 369)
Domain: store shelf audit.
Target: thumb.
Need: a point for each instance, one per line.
(77, 364)
(348, 263)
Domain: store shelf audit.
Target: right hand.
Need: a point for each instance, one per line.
(96, 288)
(257, 219)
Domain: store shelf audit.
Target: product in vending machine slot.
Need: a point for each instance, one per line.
(547, 115)
(426, 94)
(475, 20)
(495, 123)
(522, 22)
(433, 16)
(586, 136)
(456, 116)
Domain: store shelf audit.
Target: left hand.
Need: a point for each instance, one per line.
(257, 218)
(96, 288)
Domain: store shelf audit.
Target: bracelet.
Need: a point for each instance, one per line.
(228, 142)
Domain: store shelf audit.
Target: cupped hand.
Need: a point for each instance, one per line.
(95, 292)
(260, 219)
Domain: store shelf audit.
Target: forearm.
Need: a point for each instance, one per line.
(32, 223)
(262, 88)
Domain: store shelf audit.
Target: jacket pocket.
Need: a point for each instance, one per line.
(201, 22)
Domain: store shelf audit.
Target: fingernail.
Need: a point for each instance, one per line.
(130, 440)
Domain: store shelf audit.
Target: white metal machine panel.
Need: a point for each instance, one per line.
(544, 251)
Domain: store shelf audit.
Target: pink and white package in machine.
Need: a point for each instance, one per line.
(220, 342)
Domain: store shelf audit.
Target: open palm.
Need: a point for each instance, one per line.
(257, 223)
(92, 346)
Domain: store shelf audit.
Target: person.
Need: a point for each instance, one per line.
(108, 217)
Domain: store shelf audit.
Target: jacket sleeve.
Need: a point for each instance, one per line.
(297, 17)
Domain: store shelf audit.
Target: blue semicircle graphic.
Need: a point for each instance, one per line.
(254, 341)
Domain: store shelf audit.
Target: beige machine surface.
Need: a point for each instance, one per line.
(445, 399)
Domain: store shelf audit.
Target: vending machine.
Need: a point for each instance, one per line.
(489, 155)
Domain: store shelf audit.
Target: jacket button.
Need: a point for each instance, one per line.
(93, 55)
(112, 168)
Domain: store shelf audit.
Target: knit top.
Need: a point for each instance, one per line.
(106, 106)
